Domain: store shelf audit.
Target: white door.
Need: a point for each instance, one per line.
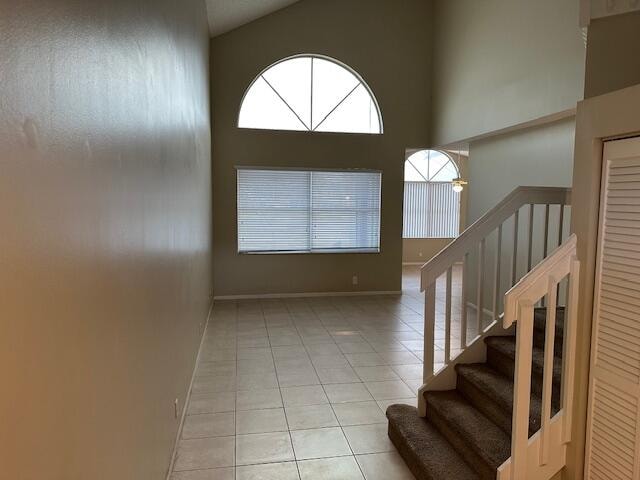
(613, 431)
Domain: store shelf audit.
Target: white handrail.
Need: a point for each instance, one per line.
(474, 240)
(489, 222)
(543, 455)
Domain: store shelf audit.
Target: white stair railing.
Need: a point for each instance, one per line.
(544, 454)
(474, 242)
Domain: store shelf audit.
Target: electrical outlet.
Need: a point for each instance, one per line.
(420, 254)
(176, 408)
(354, 280)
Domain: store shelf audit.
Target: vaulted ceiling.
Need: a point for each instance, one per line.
(225, 15)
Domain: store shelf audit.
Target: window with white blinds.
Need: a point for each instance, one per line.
(431, 206)
(431, 210)
(286, 211)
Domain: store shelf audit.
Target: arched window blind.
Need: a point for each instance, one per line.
(431, 207)
(305, 211)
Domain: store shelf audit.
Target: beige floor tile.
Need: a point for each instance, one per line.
(204, 453)
(368, 439)
(359, 413)
(209, 425)
(261, 421)
(211, 474)
(257, 381)
(415, 384)
(376, 374)
(409, 372)
(213, 384)
(384, 466)
(348, 392)
(384, 404)
(340, 468)
(319, 443)
(355, 347)
(297, 379)
(255, 354)
(324, 349)
(386, 390)
(365, 359)
(337, 375)
(259, 400)
(216, 369)
(301, 396)
(263, 448)
(311, 416)
(399, 358)
(211, 403)
(269, 471)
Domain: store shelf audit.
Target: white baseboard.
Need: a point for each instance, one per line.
(412, 264)
(306, 295)
(183, 415)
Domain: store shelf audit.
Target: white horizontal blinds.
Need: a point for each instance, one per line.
(306, 211)
(345, 210)
(431, 210)
(614, 425)
(273, 210)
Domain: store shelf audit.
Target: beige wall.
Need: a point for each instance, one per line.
(105, 219)
(613, 52)
(540, 156)
(421, 250)
(499, 63)
(390, 48)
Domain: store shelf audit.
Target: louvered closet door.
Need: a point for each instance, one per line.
(613, 438)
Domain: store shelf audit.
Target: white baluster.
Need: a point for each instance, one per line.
(522, 391)
(547, 376)
(496, 287)
(447, 324)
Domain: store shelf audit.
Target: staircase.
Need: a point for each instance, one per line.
(500, 405)
(467, 431)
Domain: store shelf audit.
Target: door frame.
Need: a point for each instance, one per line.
(606, 117)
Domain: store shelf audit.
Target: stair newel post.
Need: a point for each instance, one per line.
(522, 390)
(429, 340)
(547, 379)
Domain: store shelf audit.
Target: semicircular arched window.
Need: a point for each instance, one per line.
(310, 93)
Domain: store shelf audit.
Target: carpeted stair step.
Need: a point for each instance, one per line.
(425, 451)
(480, 441)
(492, 393)
(501, 355)
(539, 323)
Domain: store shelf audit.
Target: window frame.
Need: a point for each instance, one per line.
(312, 251)
(359, 77)
(433, 182)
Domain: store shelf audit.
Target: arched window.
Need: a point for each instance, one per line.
(431, 206)
(310, 93)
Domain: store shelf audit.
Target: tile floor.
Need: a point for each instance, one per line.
(296, 389)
